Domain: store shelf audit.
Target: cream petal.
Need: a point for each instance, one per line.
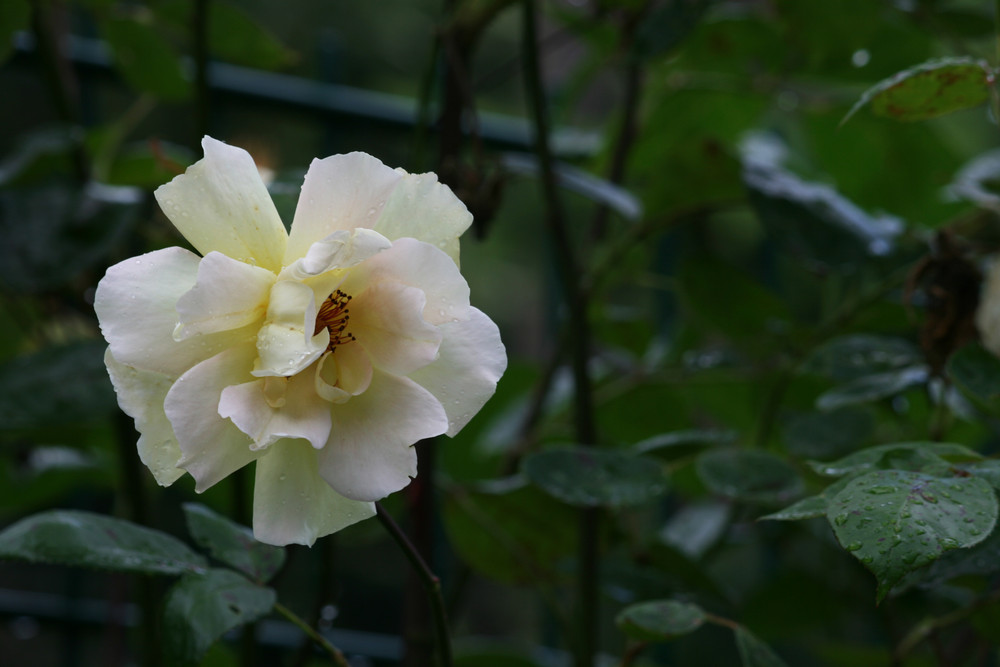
(419, 265)
(266, 414)
(220, 203)
(354, 368)
(140, 396)
(386, 319)
(423, 209)
(326, 380)
(228, 294)
(340, 250)
(370, 452)
(341, 192)
(291, 502)
(286, 343)
(136, 303)
(471, 361)
(212, 447)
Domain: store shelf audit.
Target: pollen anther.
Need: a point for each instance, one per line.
(333, 316)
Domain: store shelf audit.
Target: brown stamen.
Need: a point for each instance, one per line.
(333, 315)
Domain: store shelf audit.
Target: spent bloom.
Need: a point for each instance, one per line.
(322, 354)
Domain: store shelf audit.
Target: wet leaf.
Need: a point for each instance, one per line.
(232, 544)
(660, 620)
(896, 521)
(929, 90)
(749, 476)
(754, 652)
(915, 456)
(85, 539)
(200, 608)
(588, 477)
(872, 388)
(811, 507)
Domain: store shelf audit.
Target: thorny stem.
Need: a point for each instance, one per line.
(335, 654)
(431, 584)
(575, 298)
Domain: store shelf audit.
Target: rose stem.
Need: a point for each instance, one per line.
(338, 657)
(431, 584)
(587, 559)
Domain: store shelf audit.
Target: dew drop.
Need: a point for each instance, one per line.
(853, 546)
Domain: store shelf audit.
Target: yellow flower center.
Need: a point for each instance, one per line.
(333, 315)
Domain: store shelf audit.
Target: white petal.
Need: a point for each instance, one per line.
(228, 294)
(472, 359)
(340, 250)
(291, 502)
(339, 192)
(140, 396)
(220, 203)
(423, 209)
(419, 265)
(136, 306)
(212, 447)
(286, 343)
(291, 410)
(386, 319)
(370, 452)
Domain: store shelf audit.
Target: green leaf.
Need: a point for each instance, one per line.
(666, 26)
(929, 90)
(827, 434)
(988, 470)
(200, 608)
(977, 372)
(807, 508)
(85, 539)
(915, 456)
(754, 652)
(872, 388)
(236, 37)
(510, 531)
(232, 544)
(145, 59)
(749, 475)
(681, 444)
(14, 16)
(981, 559)
(55, 386)
(896, 521)
(588, 477)
(660, 620)
(855, 356)
(811, 507)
